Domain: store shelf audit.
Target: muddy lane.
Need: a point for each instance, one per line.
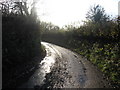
(45, 66)
(83, 74)
(62, 68)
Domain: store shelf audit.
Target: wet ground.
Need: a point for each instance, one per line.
(62, 68)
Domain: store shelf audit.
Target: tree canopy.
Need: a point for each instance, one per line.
(97, 14)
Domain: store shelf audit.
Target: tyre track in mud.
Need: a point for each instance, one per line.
(62, 68)
(72, 71)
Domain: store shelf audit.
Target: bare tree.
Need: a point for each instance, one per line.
(11, 6)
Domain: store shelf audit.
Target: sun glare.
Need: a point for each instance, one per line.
(63, 12)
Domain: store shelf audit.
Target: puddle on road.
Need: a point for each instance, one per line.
(46, 64)
(44, 67)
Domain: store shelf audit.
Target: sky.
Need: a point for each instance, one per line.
(63, 12)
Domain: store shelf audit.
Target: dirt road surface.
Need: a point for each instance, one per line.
(62, 68)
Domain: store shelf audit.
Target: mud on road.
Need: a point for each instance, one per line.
(62, 68)
(71, 70)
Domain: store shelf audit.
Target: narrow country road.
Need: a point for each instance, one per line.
(62, 68)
